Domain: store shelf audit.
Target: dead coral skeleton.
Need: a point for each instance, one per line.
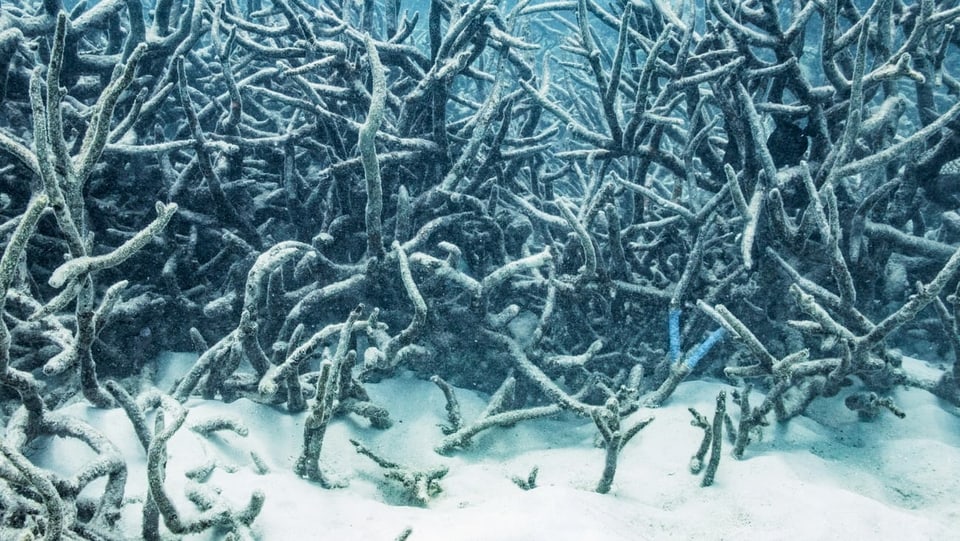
(556, 179)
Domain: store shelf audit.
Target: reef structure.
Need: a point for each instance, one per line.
(519, 198)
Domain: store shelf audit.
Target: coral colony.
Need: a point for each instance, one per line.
(518, 198)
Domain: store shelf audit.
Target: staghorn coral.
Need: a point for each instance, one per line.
(556, 176)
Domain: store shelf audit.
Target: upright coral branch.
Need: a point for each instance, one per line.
(368, 152)
(324, 405)
(13, 252)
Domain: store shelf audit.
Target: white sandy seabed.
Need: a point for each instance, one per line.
(822, 476)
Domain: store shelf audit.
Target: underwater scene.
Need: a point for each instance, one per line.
(486, 270)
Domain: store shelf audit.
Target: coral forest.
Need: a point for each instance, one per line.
(571, 206)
